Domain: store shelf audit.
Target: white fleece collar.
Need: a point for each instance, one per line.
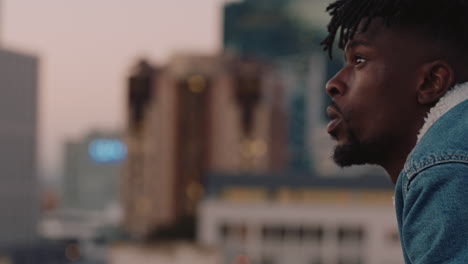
(456, 95)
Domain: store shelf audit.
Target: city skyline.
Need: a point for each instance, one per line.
(84, 56)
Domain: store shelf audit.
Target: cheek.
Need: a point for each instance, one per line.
(379, 100)
(370, 108)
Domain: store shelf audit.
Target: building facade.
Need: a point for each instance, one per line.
(19, 206)
(196, 114)
(92, 171)
(301, 220)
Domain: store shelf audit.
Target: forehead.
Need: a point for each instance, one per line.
(394, 40)
(369, 35)
(371, 29)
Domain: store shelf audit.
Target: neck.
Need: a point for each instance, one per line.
(396, 164)
(401, 148)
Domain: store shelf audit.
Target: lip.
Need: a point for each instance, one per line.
(335, 119)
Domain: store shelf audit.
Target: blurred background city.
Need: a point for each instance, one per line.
(177, 132)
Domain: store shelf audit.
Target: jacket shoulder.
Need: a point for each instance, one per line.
(446, 141)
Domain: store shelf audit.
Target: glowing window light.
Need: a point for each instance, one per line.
(107, 150)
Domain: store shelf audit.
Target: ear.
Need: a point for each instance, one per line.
(438, 78)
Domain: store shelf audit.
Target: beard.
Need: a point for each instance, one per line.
(355, 152)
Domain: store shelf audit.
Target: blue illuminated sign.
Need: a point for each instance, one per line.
(107, 150)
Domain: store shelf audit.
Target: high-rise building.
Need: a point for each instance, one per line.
(288, 34)
(266, 29)
(197, 114)
(269, 30)
(92, 171)
(19, 203)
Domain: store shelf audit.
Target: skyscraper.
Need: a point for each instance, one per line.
(195, 115)
(268, 30)
(19, 205)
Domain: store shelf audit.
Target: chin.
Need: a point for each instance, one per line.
(346, 155)
(354, 152)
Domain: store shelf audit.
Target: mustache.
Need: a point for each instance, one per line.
(336, 107)
(345, 115)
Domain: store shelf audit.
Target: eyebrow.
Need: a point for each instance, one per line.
(358, 42)
(354, 43)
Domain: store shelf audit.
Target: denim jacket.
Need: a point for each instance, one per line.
(431, 193)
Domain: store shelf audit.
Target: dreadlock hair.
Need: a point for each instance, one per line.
(441, 21)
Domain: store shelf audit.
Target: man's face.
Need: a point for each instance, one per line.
(374, 95)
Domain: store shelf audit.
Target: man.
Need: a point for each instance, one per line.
(401, 101)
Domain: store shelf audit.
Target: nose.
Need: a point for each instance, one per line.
(335, 86)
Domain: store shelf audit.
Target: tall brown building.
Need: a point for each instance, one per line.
(198, 114)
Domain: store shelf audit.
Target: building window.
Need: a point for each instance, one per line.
(313, 233)
(233, 231)
(273, 233)
(353, 234)
(223, 231)
(293, 233)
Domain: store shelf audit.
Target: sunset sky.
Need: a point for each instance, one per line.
(86, 49)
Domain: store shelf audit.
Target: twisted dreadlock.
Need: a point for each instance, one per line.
(442, 21)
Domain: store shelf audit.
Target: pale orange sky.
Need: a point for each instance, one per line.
(86, 48)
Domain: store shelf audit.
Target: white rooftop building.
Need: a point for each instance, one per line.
(289, 220)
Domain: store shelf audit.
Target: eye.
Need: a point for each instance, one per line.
(358, 59)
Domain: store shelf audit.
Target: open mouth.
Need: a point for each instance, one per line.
(335, 119)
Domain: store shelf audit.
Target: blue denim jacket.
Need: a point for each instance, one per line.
(431, 193)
